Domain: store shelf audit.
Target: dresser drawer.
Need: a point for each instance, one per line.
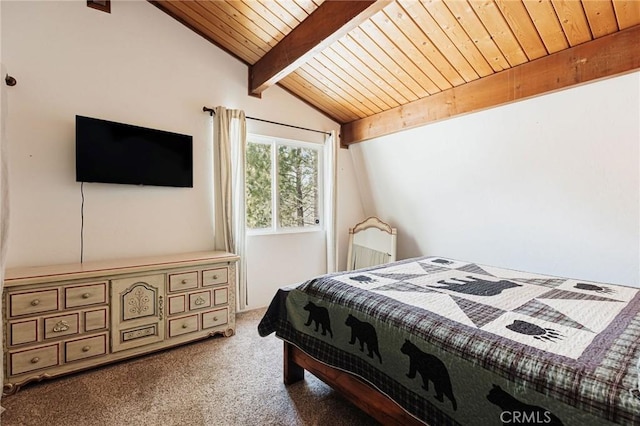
(32, 302)
(221, 296)
(33, 359)
(61, 325)
(85, 348)
(85, 295)
(23, 332)
(183, 325)
(177, 304)
(199, 300)
(96, 319)
(184, 281)
(215, 276)
(215, 318)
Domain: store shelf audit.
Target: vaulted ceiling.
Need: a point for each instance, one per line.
(377, 67)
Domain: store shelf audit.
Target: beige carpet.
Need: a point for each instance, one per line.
(218, 381)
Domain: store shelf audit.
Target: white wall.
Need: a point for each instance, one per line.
(136, 65)
(3, 111)
(550, 184)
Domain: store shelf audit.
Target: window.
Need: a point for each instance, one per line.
(284, 184)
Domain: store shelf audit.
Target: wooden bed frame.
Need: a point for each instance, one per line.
(362, 395)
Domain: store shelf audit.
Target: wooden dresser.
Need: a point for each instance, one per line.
(65, 318)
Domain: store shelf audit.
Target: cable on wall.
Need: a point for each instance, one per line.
(82, 222)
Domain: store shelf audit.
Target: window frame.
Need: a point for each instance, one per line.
(274, 143)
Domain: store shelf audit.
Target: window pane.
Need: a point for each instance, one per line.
(297, 186)
(258, 183)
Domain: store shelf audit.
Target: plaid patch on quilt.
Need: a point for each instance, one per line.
(460, 343)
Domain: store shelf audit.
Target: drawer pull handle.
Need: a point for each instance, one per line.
(86, 296)
(215, 319)
(199, 301)
(183, 281)
(35, 302)
(86, 348)
(215, 277)
(185, 325)
(60, 326)
(35, 360)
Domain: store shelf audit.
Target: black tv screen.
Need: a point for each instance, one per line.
(112, 152)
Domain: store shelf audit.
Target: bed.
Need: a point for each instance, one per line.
(440, 341)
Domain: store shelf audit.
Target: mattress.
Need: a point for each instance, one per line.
(456, 342)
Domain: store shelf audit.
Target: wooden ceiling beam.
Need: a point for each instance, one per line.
(325, 25)
(608, 56)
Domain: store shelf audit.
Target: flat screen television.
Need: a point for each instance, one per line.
(112, 152)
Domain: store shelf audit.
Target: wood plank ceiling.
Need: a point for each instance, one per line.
(388, 64)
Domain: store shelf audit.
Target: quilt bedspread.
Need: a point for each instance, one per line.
(455, 342)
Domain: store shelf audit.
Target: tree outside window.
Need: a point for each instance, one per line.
(258, 184)
(283, 180)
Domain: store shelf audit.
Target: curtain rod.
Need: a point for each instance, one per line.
(211, 111)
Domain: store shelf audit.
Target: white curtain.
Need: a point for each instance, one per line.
(331, 189)
(4, 199)
(230, 141)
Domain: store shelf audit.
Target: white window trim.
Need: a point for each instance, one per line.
(275, 228)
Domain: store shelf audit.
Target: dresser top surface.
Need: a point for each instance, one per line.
(26, 275)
